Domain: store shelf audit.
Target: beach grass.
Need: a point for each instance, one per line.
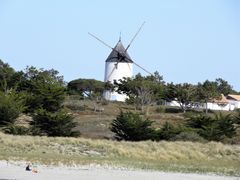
(211, 157)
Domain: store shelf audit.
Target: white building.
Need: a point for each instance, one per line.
(118, 65)
(221, 104)
(234, 100)
(228, 103)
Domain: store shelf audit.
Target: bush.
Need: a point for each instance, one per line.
(58, 123)
(167, 132)
(75, 105)
(213, 128)
(131, 127)
(188, 136)
(11, 105)
(15, 129)
(234, 140)
(236, 118)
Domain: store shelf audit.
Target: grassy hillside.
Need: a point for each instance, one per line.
(94, 120)
(93, 123)
(167, 156)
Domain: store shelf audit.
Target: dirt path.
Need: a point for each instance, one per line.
(17, 172)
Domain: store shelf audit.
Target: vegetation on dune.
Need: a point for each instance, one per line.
(41, 93)
(56, 110)
(130, 126)
(214, 128)
(58, 123)
(167, 156)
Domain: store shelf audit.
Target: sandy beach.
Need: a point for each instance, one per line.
(16, 171)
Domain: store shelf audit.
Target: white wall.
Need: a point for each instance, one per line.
(216, 106)
(235, 103)
(172, 103)
(212, 106)
(112, 73)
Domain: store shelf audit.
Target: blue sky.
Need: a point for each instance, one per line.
(185, 40)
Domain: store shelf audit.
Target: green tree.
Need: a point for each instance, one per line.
(45, 89)
(131, 127)
(205, 126)
(223, 87)
(59, 123)
(184, 94)
(213, 128)
(87, 87)
(142, 91)
(6, 74)
(226, 125)
(207, 91)
(11, 105)
(167, 132)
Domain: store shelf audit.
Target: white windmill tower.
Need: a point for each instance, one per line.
(118, 65)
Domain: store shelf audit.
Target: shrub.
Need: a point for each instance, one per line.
(75, 105)
(213, 128)
(11, 105)
(226, 125)
(188, 136)
(58, 123)
(234, 140)
(15, 129)
(131, 127)
(167, 132)
(236, 118)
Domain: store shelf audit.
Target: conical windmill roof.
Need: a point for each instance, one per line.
(115, 57)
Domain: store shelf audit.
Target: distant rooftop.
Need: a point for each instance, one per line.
(235, 97)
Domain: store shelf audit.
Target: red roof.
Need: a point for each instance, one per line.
(235, 97)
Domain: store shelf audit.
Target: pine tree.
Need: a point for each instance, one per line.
(131, 127)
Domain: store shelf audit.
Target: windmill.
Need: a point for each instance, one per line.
(118, 65)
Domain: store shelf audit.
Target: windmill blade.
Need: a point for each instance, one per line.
(135, 36)
(104, 43)
(101, 41)
(141, 67)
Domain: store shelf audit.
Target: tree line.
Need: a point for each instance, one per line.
(143, 91)
(39, 93)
